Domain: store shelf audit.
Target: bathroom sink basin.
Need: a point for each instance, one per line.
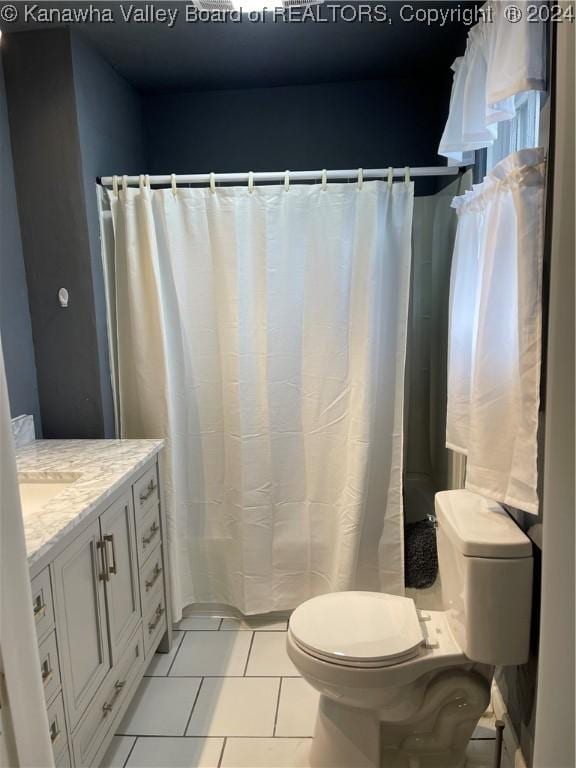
(36, 492)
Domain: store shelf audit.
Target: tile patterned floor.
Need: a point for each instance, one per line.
(228, 696)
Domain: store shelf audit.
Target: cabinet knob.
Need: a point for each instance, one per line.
(46, 672)
(151, 488)
(39, 607)
(153, 624)
(104, 575)
(54, 730)
(153, 531)
(109, 705)
(156, 573)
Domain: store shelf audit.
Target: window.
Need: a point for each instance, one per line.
(521, 132)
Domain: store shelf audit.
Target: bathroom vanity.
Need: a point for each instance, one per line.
(95, 530)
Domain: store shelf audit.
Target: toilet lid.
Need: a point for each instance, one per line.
(358, 628)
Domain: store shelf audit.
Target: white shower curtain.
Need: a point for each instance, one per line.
(263, 334)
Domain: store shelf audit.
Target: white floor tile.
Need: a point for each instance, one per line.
(266, 753)
(161, 662)
(235, 707)
(199, 622)
(208, 654)
(297, 709)
(269, 657)
(176, 753)
(258, 623)
(118, 752)
(161, 707)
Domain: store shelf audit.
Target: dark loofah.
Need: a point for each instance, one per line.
(421, 557)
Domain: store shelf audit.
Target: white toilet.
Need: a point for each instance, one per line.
(402, 687)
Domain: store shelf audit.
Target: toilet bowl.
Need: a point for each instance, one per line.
(405, 688)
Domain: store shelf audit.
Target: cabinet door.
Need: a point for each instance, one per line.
(81, 619)
(122, 592)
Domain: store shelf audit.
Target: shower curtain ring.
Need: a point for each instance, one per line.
(115, 185)
(324, 180)
(124, 183)
(250, 181)
(141, 182)
(390, 176)
(287, 181)
(407, 174)
(212, 183)
(174, 187)
(360, 178)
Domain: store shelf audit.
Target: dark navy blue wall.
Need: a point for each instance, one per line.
(368, 124)
(112, 140)
(71, 118)
(15, 326)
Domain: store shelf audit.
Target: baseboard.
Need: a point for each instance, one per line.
(510, 737)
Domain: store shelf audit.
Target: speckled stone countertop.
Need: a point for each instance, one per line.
(97, 467)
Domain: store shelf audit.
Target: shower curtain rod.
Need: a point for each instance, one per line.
(280, 176)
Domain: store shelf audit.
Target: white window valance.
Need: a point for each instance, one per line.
(503, 61)
(494, 351)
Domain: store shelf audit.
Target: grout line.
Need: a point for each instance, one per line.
(130, 752)
(260, 632)
(239, 629)
(277, 707)
(225, 677)
(175, 655)
(224, 742)
(249, 653)
(193, 705)
(171, 736)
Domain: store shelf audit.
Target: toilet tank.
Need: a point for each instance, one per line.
(485, 565)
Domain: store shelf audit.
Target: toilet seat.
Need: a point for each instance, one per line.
(358, 629)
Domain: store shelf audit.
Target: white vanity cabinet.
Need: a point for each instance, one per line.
(102, 610)
(81, 616)
(120, 572)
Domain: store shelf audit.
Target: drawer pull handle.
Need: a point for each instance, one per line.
(46, 672)
(150, 583)
(109, 705)
(39, 607)
(151, 488)
(54, 730)
(104, 575)
(111, 568)
(153, 531)
(153, 624)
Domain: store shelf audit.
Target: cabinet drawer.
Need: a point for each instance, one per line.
(146, 492)
(149, 534)
(111, 695)
(154, 620)
(42, 603)
(57, 726)
(151, 578)
(49, 666)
